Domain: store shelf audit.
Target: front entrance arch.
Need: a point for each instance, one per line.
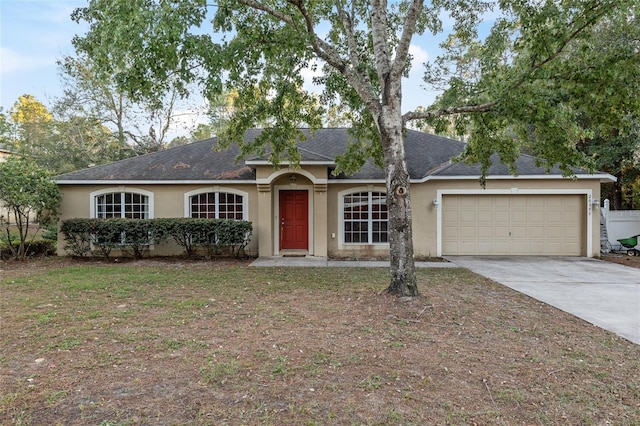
(294, 219)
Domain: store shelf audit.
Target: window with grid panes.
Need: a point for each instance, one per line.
(122, 205)
(365, 218)
(217, 205)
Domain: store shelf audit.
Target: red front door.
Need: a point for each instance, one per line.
(294, 220)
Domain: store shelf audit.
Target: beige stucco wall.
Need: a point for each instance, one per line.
(168, 201)
(312, 179)
(324, 199)
(425, 213)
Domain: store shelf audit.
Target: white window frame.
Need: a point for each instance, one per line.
(217, 191)
(122, 190)
(341, 221)
(93, 200)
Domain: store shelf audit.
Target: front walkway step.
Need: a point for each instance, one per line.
(294, 253)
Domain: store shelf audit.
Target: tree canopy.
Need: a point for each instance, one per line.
(502, 83)
(27, 191)
(58, 142)
(142, 127)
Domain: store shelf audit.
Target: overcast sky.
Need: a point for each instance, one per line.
(35, 33)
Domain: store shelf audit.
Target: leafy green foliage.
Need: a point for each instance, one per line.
(6, 129)
(77, 235)
(516, 89)
(33, 248)
(134, 236)
(559, 75)
(59, 141)
(27, 192)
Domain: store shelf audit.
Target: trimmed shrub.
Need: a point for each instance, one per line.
(180, 230)
(134, 236)
(217, 235)
(77, 236)
(33, 248)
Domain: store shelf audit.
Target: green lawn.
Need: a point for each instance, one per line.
(156, 342)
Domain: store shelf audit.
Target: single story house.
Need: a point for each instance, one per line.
(308, 210)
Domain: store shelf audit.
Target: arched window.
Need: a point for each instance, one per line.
(365, 218)
(130, 205)
(217, 205)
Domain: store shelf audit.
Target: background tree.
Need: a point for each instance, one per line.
(142, 126)
(363, 49)
(219, 112)
(587, 97)
(612, 113)
(84, 142)
(32, 124)
(557, 86)
(26, 190)
(58, 141)
(7, 131)
(619, 156)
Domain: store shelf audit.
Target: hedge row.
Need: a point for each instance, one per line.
(33, 248)
(134, 236)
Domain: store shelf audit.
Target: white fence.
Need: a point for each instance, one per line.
(620, 224)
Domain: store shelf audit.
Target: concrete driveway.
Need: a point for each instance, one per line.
(602, 293)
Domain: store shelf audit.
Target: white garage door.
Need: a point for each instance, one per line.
(513, 225)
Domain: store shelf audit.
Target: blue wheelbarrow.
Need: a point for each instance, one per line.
(630, 245)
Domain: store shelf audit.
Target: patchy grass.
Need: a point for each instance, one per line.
(214, 343)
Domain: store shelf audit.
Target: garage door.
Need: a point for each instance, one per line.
(513, 225)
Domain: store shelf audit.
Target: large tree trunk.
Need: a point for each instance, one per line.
(403, 273)
(388, 116)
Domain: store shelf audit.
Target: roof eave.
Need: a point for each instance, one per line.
(603, 177)
(289, 163)
(154, 182)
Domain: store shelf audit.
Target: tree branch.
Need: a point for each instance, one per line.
(421, 115)
(380, 42)
(347, 24)
(572, 36)
(409, 28)
(323, 50)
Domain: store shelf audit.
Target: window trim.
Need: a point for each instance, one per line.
(120, 189)
(368, 189)
(217, 189)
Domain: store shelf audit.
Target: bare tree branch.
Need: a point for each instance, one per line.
(421, 115)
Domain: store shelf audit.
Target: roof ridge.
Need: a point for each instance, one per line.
(440, 167)
(314, 153)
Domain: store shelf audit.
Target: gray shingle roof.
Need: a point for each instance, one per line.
(191, 162)
(426, 155)
(525, 164)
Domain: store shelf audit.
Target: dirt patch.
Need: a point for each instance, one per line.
(180, 342)
(623, 259)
